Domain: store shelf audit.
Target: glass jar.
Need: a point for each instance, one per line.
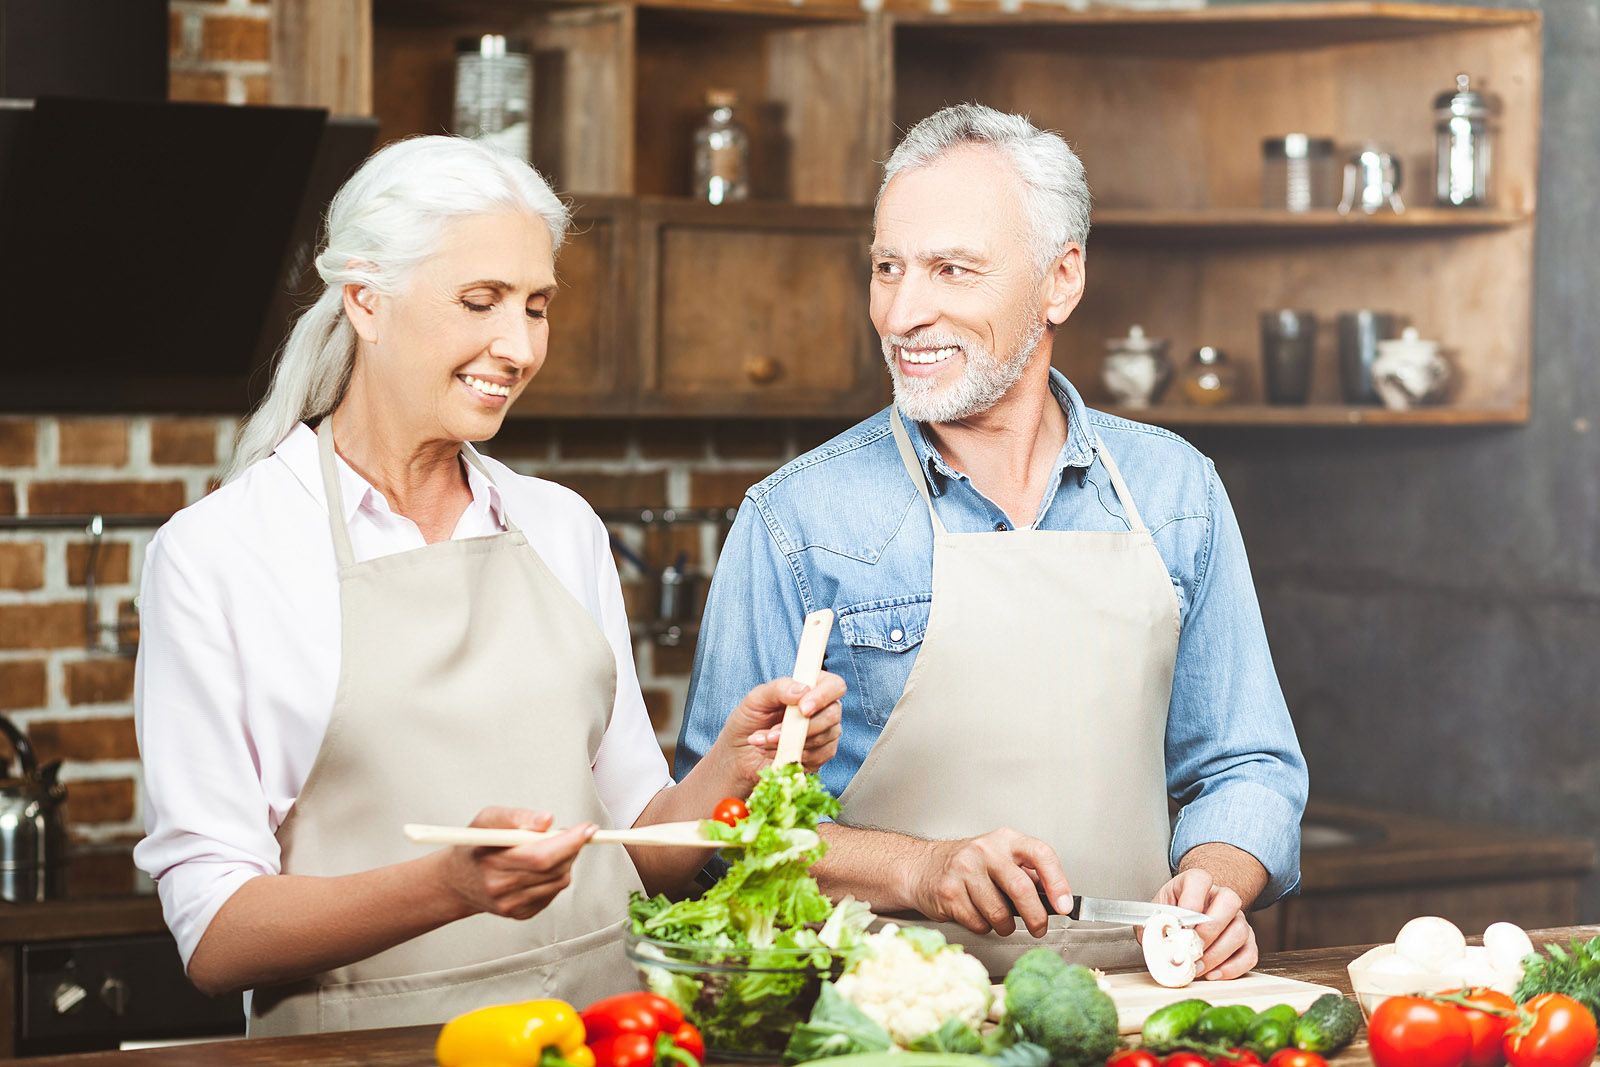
(1463, 145)
(1136, 370)
(1297, 173)
(494, 92)
(1209, 379)
(721, 152)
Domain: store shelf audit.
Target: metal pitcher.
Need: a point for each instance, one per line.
(33, 824)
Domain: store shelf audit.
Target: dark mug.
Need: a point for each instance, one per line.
(1288, 341)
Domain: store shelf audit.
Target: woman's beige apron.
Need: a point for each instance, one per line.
(469, 676)
(1038, 702)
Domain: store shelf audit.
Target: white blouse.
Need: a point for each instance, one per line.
(239, 659)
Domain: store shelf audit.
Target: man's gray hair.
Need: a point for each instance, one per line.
(1056, 194)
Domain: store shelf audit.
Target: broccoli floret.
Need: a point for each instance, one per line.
(1061, 1007)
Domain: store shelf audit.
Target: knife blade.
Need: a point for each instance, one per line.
(1123, 912)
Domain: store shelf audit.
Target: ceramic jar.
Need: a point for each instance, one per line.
(1410, 372)
(1136, 370)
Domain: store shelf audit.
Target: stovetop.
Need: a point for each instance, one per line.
(91, 873)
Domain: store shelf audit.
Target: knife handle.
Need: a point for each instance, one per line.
(1049, 907)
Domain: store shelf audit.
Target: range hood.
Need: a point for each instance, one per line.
(152, 253)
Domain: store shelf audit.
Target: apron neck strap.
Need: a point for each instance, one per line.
(330, 489)
(908, 455)
(1135, 523)
(477, 464)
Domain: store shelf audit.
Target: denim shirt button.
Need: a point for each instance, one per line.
(896, 634)
(1000, 527)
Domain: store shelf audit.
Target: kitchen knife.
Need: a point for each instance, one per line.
(1124, 912)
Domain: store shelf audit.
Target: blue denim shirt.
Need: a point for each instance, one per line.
(844, 527)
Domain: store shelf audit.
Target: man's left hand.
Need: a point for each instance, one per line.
(1230, 942)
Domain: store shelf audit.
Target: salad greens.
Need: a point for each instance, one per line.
(763, 937)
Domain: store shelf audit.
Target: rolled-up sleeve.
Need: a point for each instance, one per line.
(1233, 761)
(208, 823)
(748, 633)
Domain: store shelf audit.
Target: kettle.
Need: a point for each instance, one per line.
(33, 824)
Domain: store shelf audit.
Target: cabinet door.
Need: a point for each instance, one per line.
(756, 309)
(591, 318)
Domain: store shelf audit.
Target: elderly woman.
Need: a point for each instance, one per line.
(371, 624)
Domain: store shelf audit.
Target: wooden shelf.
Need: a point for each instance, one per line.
(1325, 415)
(1266, 223)
(683, 305)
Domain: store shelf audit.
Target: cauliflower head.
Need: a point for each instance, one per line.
(911, 982)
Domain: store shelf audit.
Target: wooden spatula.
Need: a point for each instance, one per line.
(667, 834)
(807, 665)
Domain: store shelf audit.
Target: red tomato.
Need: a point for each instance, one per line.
(1413, 1032)
(1562, 1034)
(1487, 1029)
(1237, 1057)
(1294, 1057)
(1186, 1059)
(729, 810)
(1134, 1057)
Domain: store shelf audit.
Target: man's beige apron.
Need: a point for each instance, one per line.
(469, 676)
(1038, 702)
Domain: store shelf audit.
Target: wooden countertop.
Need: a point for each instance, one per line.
(413, 1046)
(108, 897)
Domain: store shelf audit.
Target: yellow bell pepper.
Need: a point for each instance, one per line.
(514, 1035)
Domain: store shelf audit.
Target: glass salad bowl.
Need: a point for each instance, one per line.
(745, 1002)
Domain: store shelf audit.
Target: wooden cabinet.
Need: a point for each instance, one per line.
(759, 307)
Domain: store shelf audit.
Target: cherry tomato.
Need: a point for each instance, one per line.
(1186, 1059)
(1487, 1029)
(1134, 1057)
(1237, 1057)
(1562, 1034)
(730, 810)
(1414, 1032)
(1294, 1057)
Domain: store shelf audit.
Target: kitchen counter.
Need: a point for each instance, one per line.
(1365, 871)
(413, 1046)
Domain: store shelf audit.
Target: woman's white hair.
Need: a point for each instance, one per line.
(1055, 192)
(387, 219)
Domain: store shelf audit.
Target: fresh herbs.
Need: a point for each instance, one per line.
(1573, 971)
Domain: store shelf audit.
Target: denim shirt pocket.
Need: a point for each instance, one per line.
(883, 637)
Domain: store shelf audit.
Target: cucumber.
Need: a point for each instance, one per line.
(1268, 1035)
(1167, 1025)
(1281, 1012)
(1224, 1024)
(1328, 1025)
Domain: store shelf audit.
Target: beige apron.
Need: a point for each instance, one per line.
(1038, 702)
(469, 676)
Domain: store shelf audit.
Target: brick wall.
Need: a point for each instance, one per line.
(220, 51)
(75, 703)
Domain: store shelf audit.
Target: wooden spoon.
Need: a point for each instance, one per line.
(667, 834)
(663, 834)
(807, 665)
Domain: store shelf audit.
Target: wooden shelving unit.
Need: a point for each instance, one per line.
(1168, 110)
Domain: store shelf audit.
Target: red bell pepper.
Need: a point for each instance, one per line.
(641, 1030)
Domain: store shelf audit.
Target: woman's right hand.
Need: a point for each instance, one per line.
(518, 882)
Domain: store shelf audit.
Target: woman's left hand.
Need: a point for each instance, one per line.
(751, 732)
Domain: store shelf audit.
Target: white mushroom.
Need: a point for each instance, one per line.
(1171, 953)
(1433, 942)
(1508, 946)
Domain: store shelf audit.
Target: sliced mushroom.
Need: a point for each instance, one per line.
(1171, 952)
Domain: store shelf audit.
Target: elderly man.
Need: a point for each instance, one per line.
(1045, 614)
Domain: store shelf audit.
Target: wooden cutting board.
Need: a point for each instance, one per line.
(1137, 995)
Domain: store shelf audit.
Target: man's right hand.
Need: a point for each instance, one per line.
(969, 881)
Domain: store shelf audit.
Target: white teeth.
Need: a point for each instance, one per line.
(937, 355)
(487, 388)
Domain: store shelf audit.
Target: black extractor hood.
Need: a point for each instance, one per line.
(152, 254)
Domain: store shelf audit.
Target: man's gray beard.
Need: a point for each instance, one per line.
(984, 379)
